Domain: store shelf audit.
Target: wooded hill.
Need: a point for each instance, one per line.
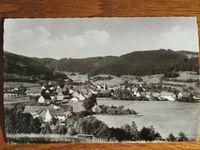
(135, 63)
(22, 68)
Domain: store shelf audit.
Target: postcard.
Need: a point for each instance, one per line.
(101, 80)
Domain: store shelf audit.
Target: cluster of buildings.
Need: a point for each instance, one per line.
(55, 101)
(59, 101)
(138, 91)
(14, 91)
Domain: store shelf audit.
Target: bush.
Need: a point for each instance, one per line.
(89, 103)
(89, 125)
(120, 134)
(132, 129)
(171, 137)
(172, 74)
(149, 134)
(182, 137)
(18, 122)
(22, 123)
(123, 94)
(113, 110)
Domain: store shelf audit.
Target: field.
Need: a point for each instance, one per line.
(159, 114)
(45, 138)
(9, 102)
(17, 84)
(165, 116)
(186, 78)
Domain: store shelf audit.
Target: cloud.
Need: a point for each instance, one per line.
(179, 37)
(40, 41)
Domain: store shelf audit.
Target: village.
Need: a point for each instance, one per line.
(58, 100)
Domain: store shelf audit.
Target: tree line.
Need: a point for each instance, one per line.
(19, 122)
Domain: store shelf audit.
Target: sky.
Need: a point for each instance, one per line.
(90, 37)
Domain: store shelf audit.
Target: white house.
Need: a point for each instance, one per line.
(33, 110)
(97, 109)
(5, 95)
(51, 88)
(180, 95)
(58, 89)
(79, 96)
(41, 100)
(46, 113)
(168, 96)
(71, 91)
(60, 96)
(59, 114)
(74, 99)
(43, 87)
(47, 117)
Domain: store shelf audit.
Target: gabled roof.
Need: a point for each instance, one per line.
(53, 106)
(33, 109)
(55, 112)
(67, 108)
(43, 87)
(77, 107)
(39, 109)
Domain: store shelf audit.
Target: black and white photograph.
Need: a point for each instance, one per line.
(101, 80)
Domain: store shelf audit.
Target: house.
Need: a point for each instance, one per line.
(14, 92)
(16, 89)
(58, 114)
(183, 94)
(95, 92)
(74, 99)
(43, 87)
(46, 113)
(71, 91)
(33, 110)
(97, 109)
(9, 94)
(180, 95)
(41, 100)
(58, 89)
(155, 94)
(167, 96)
(67, 108)
(51, 88)
(134, 90)
(77, 107)
(52, 94)
(60, 96)
(78, 96)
